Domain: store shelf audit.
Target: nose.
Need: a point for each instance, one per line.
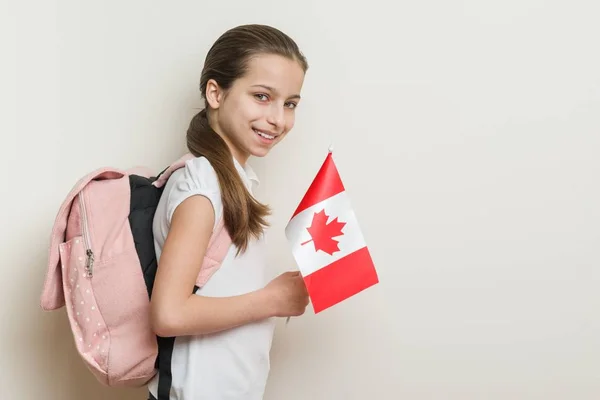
(276, 117)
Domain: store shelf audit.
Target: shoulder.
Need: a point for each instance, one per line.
(200, 173)
(196, 178)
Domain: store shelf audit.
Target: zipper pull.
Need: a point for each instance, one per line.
(89, 266)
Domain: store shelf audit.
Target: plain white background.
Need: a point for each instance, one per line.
(466, 132)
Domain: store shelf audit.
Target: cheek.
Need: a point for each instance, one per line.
(241, 109)
(290, 121)
(250, 113)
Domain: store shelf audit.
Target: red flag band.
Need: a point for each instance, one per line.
(327, 242)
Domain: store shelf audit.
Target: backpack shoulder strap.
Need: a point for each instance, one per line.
(216, 252)
(220, 240)
(164, 176)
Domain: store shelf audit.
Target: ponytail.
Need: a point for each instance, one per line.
(243, 216)
(227, 60)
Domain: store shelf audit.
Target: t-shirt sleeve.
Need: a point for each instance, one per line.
(196, 178)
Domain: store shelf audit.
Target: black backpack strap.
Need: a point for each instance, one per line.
(165, 377)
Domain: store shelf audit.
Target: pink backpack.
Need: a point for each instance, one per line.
(101, 268)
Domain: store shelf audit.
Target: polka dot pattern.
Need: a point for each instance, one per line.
(88, 327)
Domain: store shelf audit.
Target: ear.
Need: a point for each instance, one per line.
(214, 94)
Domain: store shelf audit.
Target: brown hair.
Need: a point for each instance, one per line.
(226, 61)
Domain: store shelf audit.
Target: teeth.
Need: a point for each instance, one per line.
(264, 135)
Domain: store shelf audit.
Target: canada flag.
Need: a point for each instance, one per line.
(327, 242)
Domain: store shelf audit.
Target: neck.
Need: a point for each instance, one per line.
(239, 155)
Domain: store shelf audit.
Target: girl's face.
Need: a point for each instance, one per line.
(259, 109)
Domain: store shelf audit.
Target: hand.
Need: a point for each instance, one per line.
(287, 295)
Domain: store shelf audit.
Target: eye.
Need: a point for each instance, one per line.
(261, 97)
(291, 105)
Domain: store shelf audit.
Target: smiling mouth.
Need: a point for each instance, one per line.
(264, 135)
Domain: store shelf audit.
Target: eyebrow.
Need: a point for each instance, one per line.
(296, 96)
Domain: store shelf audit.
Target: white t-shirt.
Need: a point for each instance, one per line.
(233, 364)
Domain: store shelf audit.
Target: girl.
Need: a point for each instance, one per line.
(215, 340)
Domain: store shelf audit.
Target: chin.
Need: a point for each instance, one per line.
(260, 152)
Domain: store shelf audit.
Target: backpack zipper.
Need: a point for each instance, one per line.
(89, 264)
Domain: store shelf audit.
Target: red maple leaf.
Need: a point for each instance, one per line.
(323, 233)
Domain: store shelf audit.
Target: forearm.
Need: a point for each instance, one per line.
(202, 315)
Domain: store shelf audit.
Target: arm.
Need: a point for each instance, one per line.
(175, 311)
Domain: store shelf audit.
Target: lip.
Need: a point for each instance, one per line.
(264, 140)
(267, 132)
